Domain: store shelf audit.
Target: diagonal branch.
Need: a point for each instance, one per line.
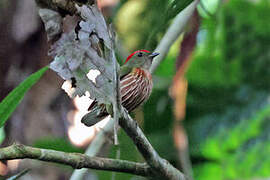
(161, 168)
(76, 160)
(176, 28)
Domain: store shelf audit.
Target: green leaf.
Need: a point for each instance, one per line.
(208, 8)
(9, 103)
(2, 134)
(20, 174)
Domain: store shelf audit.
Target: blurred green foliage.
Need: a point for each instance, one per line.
(58, 144)
(208, 8)
(141, 24)
(228, 108)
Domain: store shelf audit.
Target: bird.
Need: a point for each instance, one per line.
(135, 86)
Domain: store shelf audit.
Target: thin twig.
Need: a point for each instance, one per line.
(76, 160)
(117, 99)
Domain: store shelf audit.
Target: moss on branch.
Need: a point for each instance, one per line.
(75, 160)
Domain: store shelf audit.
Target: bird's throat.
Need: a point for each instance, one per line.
(142, 72)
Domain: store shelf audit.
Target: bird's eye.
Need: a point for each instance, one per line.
(140, 54)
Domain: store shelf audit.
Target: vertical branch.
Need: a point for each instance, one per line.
(116, 79)
(117, 101)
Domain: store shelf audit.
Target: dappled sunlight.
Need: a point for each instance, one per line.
(13, 164)
(107, 3)
(3, 169)
(78, 133)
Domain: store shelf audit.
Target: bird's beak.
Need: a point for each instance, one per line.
(154, 54)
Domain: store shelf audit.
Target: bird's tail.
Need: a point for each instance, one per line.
(93, 117)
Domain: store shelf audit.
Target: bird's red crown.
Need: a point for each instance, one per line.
(130, 56)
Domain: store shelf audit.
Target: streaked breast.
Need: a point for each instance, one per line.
(135, 88)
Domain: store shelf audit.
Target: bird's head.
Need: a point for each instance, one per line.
(140, 59)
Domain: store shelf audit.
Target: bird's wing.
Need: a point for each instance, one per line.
(92, 105)
(124, 70)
